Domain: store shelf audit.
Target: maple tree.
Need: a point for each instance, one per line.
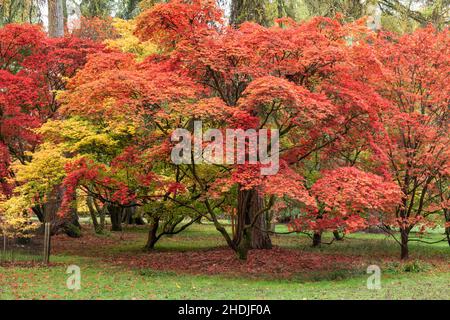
(361, 117)
(413, 72)
(33, 69)
(302, 79)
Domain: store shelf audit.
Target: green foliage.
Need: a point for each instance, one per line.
(73, 231)
(18, 11)
(414, 266)
(96, 8)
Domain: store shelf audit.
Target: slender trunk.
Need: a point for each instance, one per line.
(268, 220)
(65, 14)
(404, 244)
(317, 239)
(115, 213)
(152, 234)
(55, 19)
(447, 232)
(447, 220)
(93, 213)
(131, 9)
(101, 213)
(39, 212)
(127, 216)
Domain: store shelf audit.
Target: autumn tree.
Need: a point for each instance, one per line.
(412, 75)
(34, 68)
(256, 57)
(307, 80)
(16, 11)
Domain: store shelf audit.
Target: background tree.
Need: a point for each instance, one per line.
(97, 8)
(39, 66)
(414, 78)
(55, 18)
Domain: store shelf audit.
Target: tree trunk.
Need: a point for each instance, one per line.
(248, 10)
(152, 234)
(317, 239)
(404, 244)
(65, 14)
(39, 212)
(48, 212)
(447, 232)
(138, 221)
(250, 204)
(101, 212)
(268, 217)
(127, 216)
(98, 227)
(131, 9)
(115, 213)
(447, 220)
(55, 19)
(337, 236)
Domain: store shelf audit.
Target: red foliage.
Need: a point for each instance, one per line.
(333, 90)
(415, 142)
(178, 20)
(32, 68)
(95, 29)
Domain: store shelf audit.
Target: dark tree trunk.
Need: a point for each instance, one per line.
(152, 234)
(39, 212)
(102, 214)
(337, 236)
(447, 220)
(404, 233)
(250, 205)
(93, 210)
(115, 213)
(129, 216)
(138, 221)
(48, 212)
(447, 232)
(317, 239)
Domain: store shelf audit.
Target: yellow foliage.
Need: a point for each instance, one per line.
(15, 219)
(42, 174)
(128, 42)
(76, 135)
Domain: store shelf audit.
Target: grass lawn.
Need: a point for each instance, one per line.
(196, 265)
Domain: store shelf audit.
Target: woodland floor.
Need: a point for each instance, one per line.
(196, 264)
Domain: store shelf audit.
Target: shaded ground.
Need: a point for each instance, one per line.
(196, 264)
(202, 251)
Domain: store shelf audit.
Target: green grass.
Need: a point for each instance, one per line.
(105, 282)
(416, 279)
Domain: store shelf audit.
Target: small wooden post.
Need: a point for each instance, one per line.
(47, 243)
(4, 245)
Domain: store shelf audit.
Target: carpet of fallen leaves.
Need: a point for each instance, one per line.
(277, 262)
(124, 249)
